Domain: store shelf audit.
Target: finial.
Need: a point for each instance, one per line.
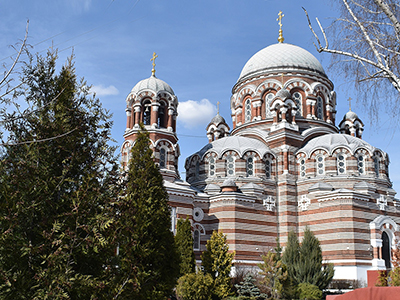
(218, 107)
(282, 79)
(280, 38)
(153, 71)
(349, 103)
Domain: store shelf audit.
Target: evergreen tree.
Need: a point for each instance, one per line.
(217, 261)
(184, 243)
(57, 181)
(148, 263)
(195, 286)
(275, 281)
(248, 289)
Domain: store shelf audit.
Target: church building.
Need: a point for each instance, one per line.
(283, 165)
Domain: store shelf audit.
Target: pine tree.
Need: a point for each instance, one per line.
(247, 288)
(57, 181)
(274, 275)
(184, 243)
(217, 261)
(148, 263)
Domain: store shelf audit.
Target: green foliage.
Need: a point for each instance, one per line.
(304, 262)
(248, 290)
(57, 181)
(274, 275)
(184, 243)
(382, 278)
(148, 263)
(394, 276)
(195, 286)
(307, 291)
(217, 261)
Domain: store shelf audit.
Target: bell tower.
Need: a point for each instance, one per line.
(153, 103)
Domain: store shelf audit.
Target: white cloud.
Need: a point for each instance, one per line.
(80, 6)
(195, 113)
(101, 90)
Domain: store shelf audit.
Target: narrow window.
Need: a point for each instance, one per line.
(230, 166)
(297, 99)
(268, 100)
(361, 165)
(320, 108)
(163, 157)
(197, 171)
(173, 219)
(211, 166)
(376, 166)
(249, 167)
(268, 169)
(341, 164)
(320, 165)
(386, 250)
(161, 115)
(247, 111)
(302, 167)
(196, 239)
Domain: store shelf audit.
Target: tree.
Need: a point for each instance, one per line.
(304, 262)
(148, 263)
(195, 286)
(367, 35)
(184, 243)
(274, 275)
(247, 289)
(54, 196)
(217, 261)
(309, 291)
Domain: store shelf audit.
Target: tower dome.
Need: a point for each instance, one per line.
(153, 84)
(281, 57)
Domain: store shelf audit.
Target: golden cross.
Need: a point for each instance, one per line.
(153, 71)
(280, 38)
(218, 107)
(349, 103)
(282, 79)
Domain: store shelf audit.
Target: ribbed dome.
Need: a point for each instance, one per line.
(281, 56)
(217, 119)
(331, 141)
(283, 94)
(152, 83)
(350, 115)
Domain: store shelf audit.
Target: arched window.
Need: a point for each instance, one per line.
(196, 239)
(320, 165)
(161, 115)
(298, 100)
(386, 250)
(268, 168)
(230, 166)
(163, 158)
(302, 167)
(268, 100)
(173, 219)
(247, 111)
(320, 108)
(211, 166)
(197, 170)
(249, 166)
(376, 166)
(361, 165)
(147, 112)
(341, 164)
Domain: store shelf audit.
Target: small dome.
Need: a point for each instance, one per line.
(350, 115)
(217, 119)
(153, 84)
(229, 182)
(283, 94)
(331, 141)
(281, 57)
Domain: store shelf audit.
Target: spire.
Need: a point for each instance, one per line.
(218, 108)
(349, 103)
(280, 16)
(153, 71)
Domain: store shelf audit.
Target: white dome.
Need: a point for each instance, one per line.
(281, 56)
(152, 83)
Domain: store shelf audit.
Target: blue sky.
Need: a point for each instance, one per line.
(202, 45)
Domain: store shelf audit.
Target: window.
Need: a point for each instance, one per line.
(361, 165)
(297, 99)
(161, 115)
(247, 111)
(268, 169)
(196, 239)
(320, 108)
(173, 219)
(163, 158)
(320, 165)
(197, 171)
(341, 164)
(376, 166)
(268, 100)
(211, 166)
(302, 168)
(249, 166)
(147, 112)
(230, 166)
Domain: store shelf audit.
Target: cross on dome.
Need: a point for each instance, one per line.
(153, 71)
(280, 16)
